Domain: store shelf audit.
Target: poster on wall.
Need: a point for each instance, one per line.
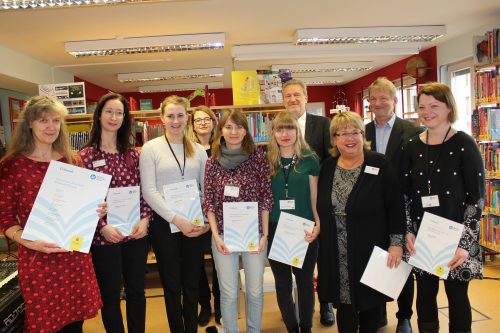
(245, 88)
(270, 87)
(72, 95)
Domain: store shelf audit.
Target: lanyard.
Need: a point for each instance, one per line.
(429, 172)
(286, 171)
(178, 163)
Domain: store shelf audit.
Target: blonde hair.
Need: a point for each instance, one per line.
(192, 135)
(382, 83)
(176, 100)
(295, 82)
(340, 122)
(34, 109)
(442, 93)
(237, 117)
(287, 120)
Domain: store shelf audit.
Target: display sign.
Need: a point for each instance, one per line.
(72, 95)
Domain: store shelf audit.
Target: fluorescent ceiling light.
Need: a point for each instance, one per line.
(179, 87)
(289, 51)
(171, 75)
(153, 44)
(402, 34)
(29, 4)
(354, 66)
(321, 80)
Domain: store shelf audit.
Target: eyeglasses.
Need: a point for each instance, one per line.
(202, 120)
(110, 113)
(348, 134)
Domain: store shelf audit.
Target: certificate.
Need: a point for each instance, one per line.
(388, 281)
(436, 243)
(183, 198)
(289, 245)
(64, 211)
(124, 208)
(241, 226)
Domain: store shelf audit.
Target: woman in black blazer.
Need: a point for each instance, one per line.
(361, 204)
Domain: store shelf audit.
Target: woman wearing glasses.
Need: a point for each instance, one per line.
(360, 205)
(201, 129)
(114, 254)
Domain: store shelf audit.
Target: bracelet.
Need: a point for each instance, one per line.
(14, 234)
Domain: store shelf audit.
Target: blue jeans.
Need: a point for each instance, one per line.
(227, 269)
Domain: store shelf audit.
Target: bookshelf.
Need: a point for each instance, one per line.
(486, 130)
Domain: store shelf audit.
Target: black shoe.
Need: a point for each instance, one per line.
(326, 314)
(383, 321)
(305, 330)
(217, 313)
(404, 326)
(430, 327)
(204, 316)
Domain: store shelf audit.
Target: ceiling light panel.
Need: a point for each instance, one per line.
(31, 4)
(180, 87)
(153, 44)
(402, 34)
(181, 74)
(321, 80)
(356, 66)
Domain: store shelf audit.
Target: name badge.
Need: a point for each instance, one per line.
(371, 170)
(430, 201)
(231, 191)
(287, 204)
(99, 163)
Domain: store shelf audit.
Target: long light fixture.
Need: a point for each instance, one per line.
(180, 74)
(403, 34)
(321, 67)
(152, 44)
(321, 80)
(180, 87)
(254, 52)
(32, 4)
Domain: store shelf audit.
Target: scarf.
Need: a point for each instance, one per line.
(231, 158)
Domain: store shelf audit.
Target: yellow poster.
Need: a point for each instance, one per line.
(245, 88)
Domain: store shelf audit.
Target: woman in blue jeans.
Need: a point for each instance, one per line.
(294, 177)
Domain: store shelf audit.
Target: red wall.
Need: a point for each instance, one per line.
(391, 72)
(93, 92)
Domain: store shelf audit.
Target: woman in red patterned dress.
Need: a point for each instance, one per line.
(59, 287)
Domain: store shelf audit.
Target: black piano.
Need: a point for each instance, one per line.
(11, 302)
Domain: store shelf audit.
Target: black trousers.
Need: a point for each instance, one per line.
(111, 263)
(460, 313)
(351, 321)
(405, 300)
(304, 277)
(75, 327)
(204, 287)
(180, 260)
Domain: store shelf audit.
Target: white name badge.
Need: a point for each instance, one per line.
(287, 204)
(99, 163)
(371, 170)
(231, 191)
(430, 201)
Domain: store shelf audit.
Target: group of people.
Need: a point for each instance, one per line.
(334, 174)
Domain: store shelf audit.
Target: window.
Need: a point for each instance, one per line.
(459, 79)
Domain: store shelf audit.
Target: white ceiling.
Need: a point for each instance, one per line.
(41, 33)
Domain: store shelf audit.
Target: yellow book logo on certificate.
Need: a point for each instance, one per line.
(76, 243)
(245, 88)
(295, 261)
(197, 222)
(251, 246)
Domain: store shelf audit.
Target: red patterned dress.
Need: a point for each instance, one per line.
(58, 288)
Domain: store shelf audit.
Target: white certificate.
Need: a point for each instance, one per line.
(183, 198)
(241, 226)
(388, 281)
(436, 244)
(289, 245)
(64, 211)
(124, 208)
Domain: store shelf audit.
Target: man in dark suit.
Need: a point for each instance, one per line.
(387, 133)
(316, 132)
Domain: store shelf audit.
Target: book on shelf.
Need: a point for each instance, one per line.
(487, 86)
(486, 48)
(490, 232)
(485, 123)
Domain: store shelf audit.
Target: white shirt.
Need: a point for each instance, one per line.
(302, 124)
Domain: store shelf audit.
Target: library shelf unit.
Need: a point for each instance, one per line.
(486, 130)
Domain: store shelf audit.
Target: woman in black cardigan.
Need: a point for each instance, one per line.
(361, 205)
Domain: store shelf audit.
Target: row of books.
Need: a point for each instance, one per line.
(487, 86)
(259, 126)
(485, 123)
(490, 232)
(486, 47)
(492, 199)
(491, 157)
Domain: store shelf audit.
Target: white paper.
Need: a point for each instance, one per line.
(388, 281)
(289, 245)
(124, 209)
(241, 226)
(183, 198)
(64, 211)
(436, 244)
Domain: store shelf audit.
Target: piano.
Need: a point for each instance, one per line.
(11, 302)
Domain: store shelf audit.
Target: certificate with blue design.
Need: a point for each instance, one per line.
(124, 208)
(241, 226)
(64, 211)
(183, 198)
(289, 245)
(436, 243)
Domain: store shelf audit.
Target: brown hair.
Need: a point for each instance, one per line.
(174, 99)
(191, 132)
(239, 119)
(382, 83)
(294, 82)
(442, 93)
(341, 121)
